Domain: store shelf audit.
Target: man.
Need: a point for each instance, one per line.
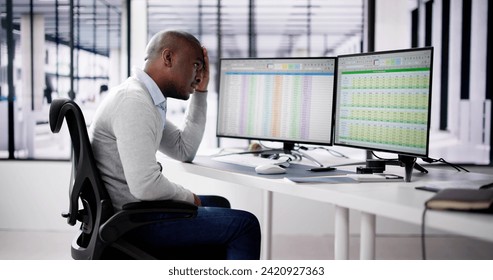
(130, 126)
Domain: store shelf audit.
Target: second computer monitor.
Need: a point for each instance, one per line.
(383, 101)
(287, 100)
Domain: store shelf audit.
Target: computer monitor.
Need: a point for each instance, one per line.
(288, 100)
(383, 101)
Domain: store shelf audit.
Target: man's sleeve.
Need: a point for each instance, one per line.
(182, 143)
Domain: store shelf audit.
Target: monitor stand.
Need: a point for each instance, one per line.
(408, 162)
(288, 149)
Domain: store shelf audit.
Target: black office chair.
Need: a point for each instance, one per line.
(102, 233)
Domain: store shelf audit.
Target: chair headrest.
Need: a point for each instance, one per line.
(59, 108)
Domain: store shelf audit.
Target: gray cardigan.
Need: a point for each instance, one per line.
(127, 131)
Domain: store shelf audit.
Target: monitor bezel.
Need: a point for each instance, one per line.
(335, 118)
(286, 142)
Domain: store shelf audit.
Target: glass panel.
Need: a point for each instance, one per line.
(96, 31)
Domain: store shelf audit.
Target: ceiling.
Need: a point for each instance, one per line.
(279, 27)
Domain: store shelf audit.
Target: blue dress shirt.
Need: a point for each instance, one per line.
(156, 94)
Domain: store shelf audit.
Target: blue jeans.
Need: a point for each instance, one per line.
(217, 232)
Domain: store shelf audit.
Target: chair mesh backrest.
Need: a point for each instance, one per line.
(88, 184)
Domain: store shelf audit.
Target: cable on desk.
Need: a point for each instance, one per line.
(331, 151)
(265, 147)
(430, 160)
(423, 245)
(375, 155)
(457, 167)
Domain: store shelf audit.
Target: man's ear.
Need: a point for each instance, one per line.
(167, 55)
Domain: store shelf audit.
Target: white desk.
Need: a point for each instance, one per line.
(396, 200)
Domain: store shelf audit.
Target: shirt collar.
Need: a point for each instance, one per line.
(156, 94)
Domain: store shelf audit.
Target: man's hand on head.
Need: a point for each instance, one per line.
(202, 87)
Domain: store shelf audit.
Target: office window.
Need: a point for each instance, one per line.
(229, 28)
(42, 69)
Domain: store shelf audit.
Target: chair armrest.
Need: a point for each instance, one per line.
(152, 204)
(137, 214)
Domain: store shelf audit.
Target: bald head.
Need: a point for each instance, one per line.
(169, 39)
(174, 60)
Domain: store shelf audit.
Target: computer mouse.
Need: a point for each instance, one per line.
(269, 169)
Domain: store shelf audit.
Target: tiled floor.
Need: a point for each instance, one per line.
(37, 245)
(387, 248)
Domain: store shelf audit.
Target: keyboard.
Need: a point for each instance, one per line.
(247, 160)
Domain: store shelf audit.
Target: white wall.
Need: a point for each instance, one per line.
(33, 194)
(392, 25)
(455, 49)
(32, 76)
(138, 31)
(436, 34)
(35, 63)
(472, 130)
